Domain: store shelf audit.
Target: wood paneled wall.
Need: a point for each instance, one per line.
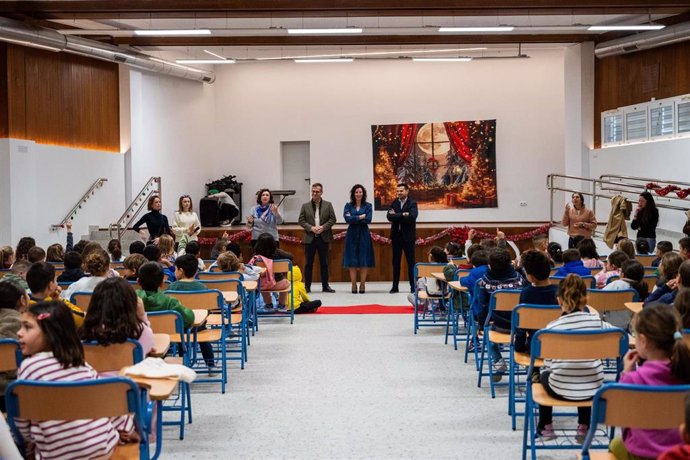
(638, 77)
(59, 99)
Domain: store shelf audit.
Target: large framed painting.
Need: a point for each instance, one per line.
(450, 165)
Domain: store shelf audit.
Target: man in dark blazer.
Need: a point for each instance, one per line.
(403, 217)
(317, 218)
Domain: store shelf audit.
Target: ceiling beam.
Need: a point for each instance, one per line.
(293, 40)
(130, 9)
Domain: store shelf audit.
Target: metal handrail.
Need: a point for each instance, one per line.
(135, 207)
(98, 183)
(608, 183)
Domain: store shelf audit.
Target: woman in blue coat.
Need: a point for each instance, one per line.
(359, 251)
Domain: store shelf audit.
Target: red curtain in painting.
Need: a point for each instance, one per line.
(408, 136)
(459, 136)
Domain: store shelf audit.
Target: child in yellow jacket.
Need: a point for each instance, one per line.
(301, 299)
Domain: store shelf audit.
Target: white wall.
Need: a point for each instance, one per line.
(334, 105)
(46, 181)
(172, 136)
(663, 160)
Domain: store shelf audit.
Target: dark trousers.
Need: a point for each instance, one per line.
(584, 414)
(398, 247)
(320, 246)
(228, 212)
(573, 240)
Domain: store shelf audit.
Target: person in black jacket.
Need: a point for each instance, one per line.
(403, 217)
(156, 223)
(646, 219)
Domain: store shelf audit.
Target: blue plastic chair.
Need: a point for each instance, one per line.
(283, 266)
(531, 317)
(456, 312)
(422, 270)
(635, 406)
(549, 344)
(170, 322)
(503, 300)
(557, 279)
(39, 401)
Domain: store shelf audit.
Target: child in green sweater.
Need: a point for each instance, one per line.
(186, 267)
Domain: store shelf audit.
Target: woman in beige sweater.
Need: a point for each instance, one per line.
(580, 221)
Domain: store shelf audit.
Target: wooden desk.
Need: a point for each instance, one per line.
(161, 345)
(455, 285)
(230, 296)
(159, 389)
(199, 317)
(634, 307)
(250, 285)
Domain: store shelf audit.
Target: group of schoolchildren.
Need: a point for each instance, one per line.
(35, 310)
(660, 357)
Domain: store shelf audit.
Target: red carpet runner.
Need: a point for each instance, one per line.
(373, 309)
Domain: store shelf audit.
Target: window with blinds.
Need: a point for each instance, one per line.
(636, 124)
(661, 120)
(650, 121)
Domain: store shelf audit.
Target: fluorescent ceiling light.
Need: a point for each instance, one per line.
(308, 61)
(346, 30)
(171, 32)
(441, 59)
(630, 27)
(205, 61)
(476, 29)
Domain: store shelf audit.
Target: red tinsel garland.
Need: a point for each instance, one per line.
(458, 234)
(663, 191)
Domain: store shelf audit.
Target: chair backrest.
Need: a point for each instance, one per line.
(199, 300)
(580, 344)
(215, 269)
(651, 281)
(282, 266)
(650, 270)
(425, 269)
(223, 285)
(167, 322)
(57, 265)
(457, 260)
(686, 337)
(646, 260)
(613, 278)
(556, 280)
(637, 406)
(530, 316)
(81, 299)
(59, 271)
(113, 357)
(218, 275)
(65, 284)
(10, 355)
(504, 300)
(89, 399)
(611, 300)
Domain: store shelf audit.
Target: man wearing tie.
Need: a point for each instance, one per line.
(403, 216)
(316, 218)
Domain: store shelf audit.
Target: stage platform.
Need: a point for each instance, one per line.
(383, 270)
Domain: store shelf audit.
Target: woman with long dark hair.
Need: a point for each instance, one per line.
(646, 218)
(156, 223)
(359, 251)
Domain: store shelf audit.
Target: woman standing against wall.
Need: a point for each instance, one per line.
(580, 221)
(186, 222)
(646, 218)
(264, 217)
(359, 251)
(156, 223)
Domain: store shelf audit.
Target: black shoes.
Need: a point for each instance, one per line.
(394, 290)
(328, 289)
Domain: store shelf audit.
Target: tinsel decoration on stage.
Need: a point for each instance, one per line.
(458, 234)
(449, 165)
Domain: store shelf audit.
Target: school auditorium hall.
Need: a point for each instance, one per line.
(329, 230)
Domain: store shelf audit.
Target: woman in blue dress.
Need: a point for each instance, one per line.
(359, 251)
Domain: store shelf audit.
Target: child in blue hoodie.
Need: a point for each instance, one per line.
(572, 263)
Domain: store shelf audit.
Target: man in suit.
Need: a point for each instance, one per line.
(317, 218)
(403, 216)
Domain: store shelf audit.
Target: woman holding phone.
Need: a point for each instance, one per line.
(580, 221)
(186, 221)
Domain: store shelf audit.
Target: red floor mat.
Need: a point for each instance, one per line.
(373, 309)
